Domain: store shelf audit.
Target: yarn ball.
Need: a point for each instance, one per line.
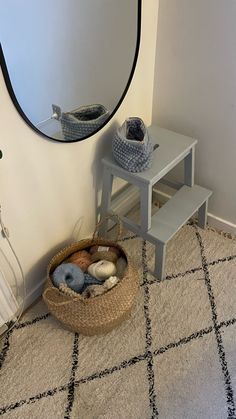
(91, 280)
(121, 266)
(102, 269)
(110, 253)
(96, 248)
(69, 274)
(106, 255)
(82, 258)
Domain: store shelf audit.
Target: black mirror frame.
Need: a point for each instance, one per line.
(10, 89)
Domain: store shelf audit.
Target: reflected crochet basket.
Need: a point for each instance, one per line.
(98, 315)
(83, 121)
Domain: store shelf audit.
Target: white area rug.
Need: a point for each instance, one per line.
(174, 358)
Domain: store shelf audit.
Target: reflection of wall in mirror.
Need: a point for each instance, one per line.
(71, 55)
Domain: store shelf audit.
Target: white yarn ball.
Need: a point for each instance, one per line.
(102, 269)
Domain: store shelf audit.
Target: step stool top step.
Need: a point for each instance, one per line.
(177, 211)
(172, 149)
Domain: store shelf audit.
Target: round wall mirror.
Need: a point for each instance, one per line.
(68, 64)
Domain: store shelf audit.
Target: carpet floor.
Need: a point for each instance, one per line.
(174, 358)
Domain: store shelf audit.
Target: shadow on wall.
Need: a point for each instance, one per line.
(103, 146)
(39, 270)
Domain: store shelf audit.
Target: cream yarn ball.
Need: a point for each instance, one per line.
(102, 269)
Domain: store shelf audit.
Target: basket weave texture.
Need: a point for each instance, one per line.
(92, 316)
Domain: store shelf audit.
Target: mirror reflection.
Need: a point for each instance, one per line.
(69, 61)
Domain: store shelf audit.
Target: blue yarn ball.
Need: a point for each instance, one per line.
(70, 275)
(91, 280)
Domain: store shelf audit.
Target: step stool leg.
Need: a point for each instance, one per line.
(106, 199)
(189, 168)
(146, 207)
(202, 215)
(160, 253)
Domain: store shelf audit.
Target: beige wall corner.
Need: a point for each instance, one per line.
(195, 90)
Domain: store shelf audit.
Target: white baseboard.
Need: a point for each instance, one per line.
(221, 224)
(34, 294)
(30, 298)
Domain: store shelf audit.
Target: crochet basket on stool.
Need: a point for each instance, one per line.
(97, 315)
(132, 146)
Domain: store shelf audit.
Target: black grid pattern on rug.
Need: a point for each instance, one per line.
(149, 354)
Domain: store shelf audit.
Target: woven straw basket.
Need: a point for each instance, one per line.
(97, 315)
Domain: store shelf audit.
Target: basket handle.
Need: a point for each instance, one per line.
(103, 220)
(62, 303)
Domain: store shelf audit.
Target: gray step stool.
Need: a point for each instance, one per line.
(160, 228)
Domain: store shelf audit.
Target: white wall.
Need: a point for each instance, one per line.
(195, 89)
(45, 187)
(68, 53)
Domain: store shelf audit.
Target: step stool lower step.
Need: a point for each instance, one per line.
(177, 211)
(170, 218)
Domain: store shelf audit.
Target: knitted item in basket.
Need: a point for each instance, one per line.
(95, 290)
(82, 121)
(132, 146)
(68, 291)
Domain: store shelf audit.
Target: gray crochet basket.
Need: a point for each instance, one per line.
(82, 121)
(132, 147)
